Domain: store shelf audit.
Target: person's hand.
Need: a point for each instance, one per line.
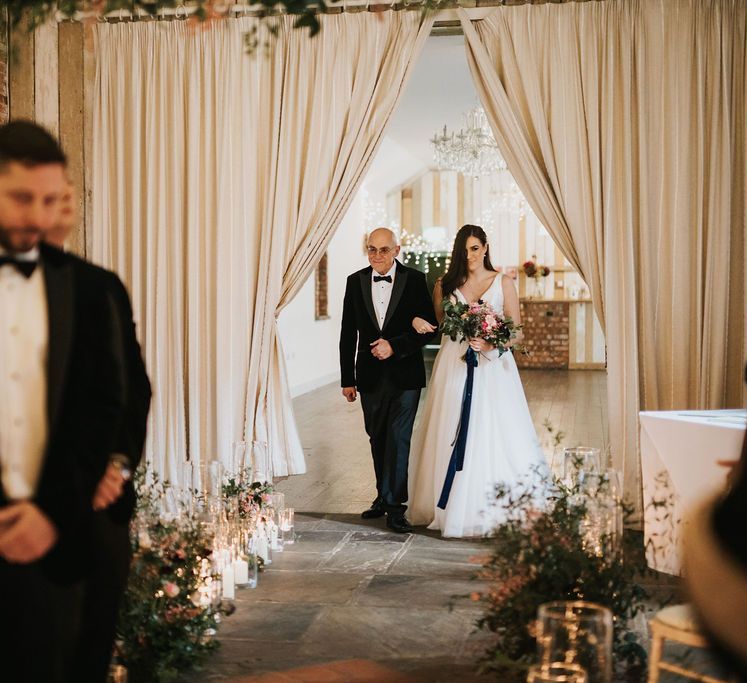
(422, 326)
(479, 345)
(382, 349)
(349, 393)
(109, 488)
(26, 533)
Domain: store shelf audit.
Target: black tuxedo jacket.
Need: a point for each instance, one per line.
(360, 327)
(85, 403)
(130, 438)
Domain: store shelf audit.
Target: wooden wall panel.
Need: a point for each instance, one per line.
(71, 119)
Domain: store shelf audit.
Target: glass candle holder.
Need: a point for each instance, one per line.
(557, 672)
(287, 526)
(579, 633)
(580, 460)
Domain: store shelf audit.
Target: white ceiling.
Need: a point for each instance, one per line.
(439, 91)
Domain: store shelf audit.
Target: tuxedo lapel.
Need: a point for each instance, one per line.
(400, 280)
(58, 281)
(365, 276)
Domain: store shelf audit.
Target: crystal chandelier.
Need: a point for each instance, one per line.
(472, 151)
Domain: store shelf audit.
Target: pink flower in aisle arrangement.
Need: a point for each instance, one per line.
(171, 589)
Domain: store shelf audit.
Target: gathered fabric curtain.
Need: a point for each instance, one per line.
(623, 122)
(219, 179)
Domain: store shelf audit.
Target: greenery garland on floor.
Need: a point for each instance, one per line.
(538, 556)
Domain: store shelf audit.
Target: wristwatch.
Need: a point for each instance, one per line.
(122, 463)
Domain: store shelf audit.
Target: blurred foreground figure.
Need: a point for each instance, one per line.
(716, 567)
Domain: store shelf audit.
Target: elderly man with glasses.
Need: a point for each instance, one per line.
(381, 358)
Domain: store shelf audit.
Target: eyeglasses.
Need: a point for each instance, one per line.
(372, 251)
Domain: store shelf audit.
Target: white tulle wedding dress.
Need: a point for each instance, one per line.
(501, 444)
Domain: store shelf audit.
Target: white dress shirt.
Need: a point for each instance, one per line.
(381, 293)
(24, 342)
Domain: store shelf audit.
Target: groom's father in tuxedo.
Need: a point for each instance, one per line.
(61, 404)
(381, 358)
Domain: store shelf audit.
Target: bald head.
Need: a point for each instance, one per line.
(383, 234)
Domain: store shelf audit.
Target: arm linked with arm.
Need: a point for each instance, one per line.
(410, 342)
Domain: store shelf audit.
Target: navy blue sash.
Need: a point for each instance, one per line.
(456, 461)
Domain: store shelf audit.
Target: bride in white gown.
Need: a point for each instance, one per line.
(501, 444)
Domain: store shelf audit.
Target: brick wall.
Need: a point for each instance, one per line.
(545, 334)
(4, 109)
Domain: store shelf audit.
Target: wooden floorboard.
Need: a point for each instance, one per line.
(340, 476)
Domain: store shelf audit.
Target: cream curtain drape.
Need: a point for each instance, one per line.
(218, 181)
(623, 123)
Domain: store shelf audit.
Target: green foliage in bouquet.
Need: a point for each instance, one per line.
(538, 556)
(455, 315)
(165, 624)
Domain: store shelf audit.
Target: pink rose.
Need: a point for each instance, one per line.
(171, 589)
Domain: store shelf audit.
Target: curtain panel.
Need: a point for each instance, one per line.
(623, 123)
(219, 179)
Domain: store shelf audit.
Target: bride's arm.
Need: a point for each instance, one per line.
(438, 298)
(511, 306)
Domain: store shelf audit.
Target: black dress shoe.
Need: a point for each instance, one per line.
(375, 511)
(398, 523)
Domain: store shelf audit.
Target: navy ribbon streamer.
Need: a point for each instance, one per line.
(456, 461)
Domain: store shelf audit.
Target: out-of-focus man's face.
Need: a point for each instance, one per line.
(30, 200)
(68, 218)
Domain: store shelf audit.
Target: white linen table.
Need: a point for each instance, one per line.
(679, 454)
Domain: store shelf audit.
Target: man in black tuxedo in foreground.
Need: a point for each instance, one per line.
(61, 407)
(114, 500)
(381, 357)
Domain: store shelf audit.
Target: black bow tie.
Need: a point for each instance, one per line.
(383, 278)
(26, 268)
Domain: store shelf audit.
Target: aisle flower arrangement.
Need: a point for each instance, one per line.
(250, 498)
(168, 613)
(539, 556)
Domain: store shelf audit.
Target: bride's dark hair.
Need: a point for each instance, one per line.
(456, 275)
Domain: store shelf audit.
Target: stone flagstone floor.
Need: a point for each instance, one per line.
(350, 589)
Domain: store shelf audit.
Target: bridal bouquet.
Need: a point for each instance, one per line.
(479, 320)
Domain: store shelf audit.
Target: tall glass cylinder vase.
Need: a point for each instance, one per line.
(240, 461)
(578, 461)
(578, 633)
(190, 485)
(216, 474)
(538, 288)
(276, 503)
(260, 462)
